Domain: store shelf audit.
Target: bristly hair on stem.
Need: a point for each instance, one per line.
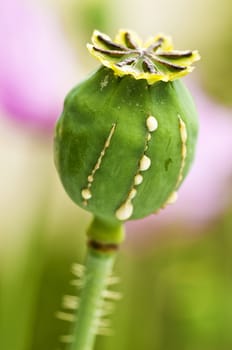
(88, 312)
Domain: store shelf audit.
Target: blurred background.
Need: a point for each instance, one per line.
(175, 267)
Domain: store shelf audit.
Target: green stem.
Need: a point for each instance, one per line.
(99, 266)
(104, 239)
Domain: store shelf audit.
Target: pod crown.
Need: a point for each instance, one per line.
(153, 60)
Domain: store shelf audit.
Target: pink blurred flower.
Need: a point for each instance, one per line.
(205, 192)
(36, 64)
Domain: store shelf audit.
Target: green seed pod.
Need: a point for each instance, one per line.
(126, 138)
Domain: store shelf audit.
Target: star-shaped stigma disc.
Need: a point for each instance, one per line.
(154, 60)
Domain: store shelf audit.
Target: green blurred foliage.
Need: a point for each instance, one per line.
(81, 18)
(94, 14)
(176, 293)
(216, 49)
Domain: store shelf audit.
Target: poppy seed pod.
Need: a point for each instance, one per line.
(126, 138)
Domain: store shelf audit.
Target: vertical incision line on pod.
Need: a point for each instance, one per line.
(125, 211)
(183, 136)
(86, 192)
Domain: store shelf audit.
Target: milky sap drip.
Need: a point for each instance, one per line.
(125, 211)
